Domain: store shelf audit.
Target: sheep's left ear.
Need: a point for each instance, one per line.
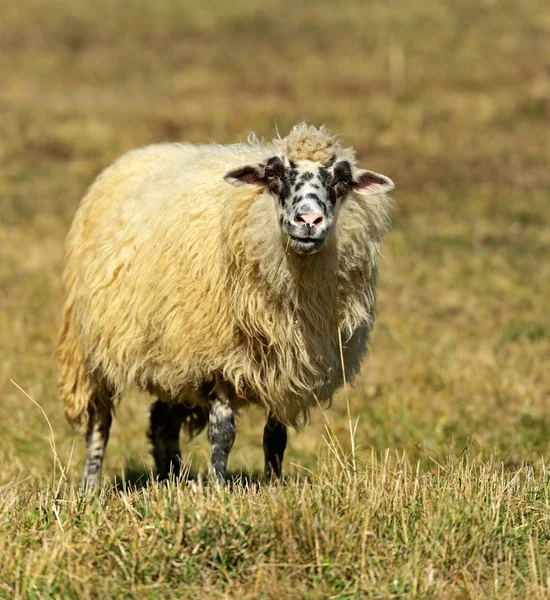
(368, 183)
(249, 176)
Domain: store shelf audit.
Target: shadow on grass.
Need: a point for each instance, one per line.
(135, 478)
(132, 478)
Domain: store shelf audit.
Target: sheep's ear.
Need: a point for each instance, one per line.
(249, 176)
(368, 183)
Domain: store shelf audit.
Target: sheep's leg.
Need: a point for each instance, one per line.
(164, 433)
(274, 447)
(221, 430)
(97, 436)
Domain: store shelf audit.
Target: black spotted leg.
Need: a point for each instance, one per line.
(97, 436)
(274, 447)
(221, 429)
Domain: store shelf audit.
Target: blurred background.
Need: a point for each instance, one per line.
(449, 99)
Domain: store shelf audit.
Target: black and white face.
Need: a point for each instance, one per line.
(308, 194)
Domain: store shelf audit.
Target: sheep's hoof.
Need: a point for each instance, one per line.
(90, 483)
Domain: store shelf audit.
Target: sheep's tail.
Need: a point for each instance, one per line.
(76, 385)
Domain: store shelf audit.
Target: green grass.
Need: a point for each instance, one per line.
(450, 495)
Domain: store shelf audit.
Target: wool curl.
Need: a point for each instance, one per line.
(307, 142)
(170, 284)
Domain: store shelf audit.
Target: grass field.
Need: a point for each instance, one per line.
(449, 495)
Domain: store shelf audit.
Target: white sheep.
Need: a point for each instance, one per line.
(215, 277)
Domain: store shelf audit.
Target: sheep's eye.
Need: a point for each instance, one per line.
(270, 176)
(346, 180)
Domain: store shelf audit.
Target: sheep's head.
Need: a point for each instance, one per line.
(308, 194)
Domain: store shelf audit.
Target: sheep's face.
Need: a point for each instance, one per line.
(308, 195)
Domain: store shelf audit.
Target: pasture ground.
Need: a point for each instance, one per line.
(448, 494)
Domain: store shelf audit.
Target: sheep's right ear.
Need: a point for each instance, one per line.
(250, 176)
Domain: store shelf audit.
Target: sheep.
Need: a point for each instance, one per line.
(215, 277)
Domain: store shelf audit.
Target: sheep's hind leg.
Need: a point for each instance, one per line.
(164, 433)
(97, 436)
(221, 430)
(274, 447)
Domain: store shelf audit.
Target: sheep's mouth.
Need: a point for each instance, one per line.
(305, 245)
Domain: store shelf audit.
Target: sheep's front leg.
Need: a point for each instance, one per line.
(221, 430)
(274, 447)
(97, 436)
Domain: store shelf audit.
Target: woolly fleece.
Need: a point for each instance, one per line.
(174, 278)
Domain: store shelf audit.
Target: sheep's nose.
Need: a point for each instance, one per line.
(311, 219)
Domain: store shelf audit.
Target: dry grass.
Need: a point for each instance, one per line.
(464, 529)
(452, 100)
